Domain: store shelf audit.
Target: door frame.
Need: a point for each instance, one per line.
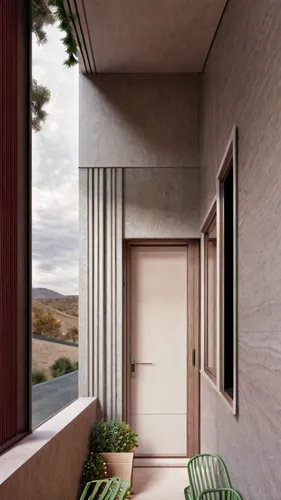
(193, 334)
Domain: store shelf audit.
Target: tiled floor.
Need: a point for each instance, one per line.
(159, 483)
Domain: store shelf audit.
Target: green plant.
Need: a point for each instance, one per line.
(113, 437)
(94, 468)
(61, 366)
(69, 42)
(75, 366)
(38, 376)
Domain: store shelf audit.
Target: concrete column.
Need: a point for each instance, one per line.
(101, 287)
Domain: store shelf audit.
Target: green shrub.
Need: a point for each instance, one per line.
(75, 366)
(38, 376)
(94, 469)
(61, 366)
(113, 437)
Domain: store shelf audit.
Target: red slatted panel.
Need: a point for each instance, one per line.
(8, 219)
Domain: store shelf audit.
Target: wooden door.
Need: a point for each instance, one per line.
(158, 351)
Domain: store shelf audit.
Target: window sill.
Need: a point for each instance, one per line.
(25, 450)
(211, 382)
(230, 403)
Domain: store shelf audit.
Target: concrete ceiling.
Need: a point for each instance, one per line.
(147, 36)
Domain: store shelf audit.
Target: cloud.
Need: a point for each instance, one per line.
(55, 172)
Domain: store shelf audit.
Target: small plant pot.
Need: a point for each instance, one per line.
(120, 465)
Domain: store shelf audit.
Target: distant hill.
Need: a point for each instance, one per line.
(45, 293)
(67, 304)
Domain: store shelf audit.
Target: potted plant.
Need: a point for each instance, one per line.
(94, 469)
(115, 441)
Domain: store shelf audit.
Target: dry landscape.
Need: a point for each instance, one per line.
(68, 304)
(44, 352)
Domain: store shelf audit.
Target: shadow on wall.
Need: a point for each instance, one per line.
(155, 116)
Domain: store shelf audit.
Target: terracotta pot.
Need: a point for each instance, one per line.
(120, 465)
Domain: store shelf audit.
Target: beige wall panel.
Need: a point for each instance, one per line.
(161, 203)
(138, 120)
(164, 433)
(241, 86)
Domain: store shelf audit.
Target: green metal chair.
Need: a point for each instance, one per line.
(220, 494)
(106, 489)
(206, 472)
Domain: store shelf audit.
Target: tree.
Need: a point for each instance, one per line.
(72, 333)
(41, 17)
(45, 324)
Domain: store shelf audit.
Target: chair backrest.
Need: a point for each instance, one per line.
(106, 489)
(207, 472)
(220, 494)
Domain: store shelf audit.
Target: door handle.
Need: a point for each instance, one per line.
(133, 366)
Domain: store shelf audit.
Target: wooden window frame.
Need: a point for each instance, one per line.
(211, 375)
(229, 159)
(15, 222)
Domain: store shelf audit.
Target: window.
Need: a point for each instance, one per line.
(227, 259)
(209, 272)
(55, 335)
(14, 222)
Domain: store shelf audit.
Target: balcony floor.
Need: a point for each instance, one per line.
(159, 483)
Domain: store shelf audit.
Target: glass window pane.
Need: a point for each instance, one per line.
(54, 225)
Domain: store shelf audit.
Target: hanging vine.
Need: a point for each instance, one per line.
(65, 25)
(42, 17)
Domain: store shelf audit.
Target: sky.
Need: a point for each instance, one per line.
(55, 172)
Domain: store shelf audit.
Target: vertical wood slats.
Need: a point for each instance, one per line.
(101, 241)
(8, 219)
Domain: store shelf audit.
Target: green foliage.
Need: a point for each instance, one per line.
(41, 17)
(113, 437)
(94, 469)
(38, 376)
(62, 366)
(40, 96)
(65, 24)
(75, 366)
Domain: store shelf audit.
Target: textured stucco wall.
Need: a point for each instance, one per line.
(242, 87)
(161, 202)
(138, 121)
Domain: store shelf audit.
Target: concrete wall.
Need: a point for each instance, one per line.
(138, 121)
(48, 463)
(161, 202)
(139, 178)
(242, 86)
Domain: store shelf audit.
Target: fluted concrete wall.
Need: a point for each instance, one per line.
(100, 298)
